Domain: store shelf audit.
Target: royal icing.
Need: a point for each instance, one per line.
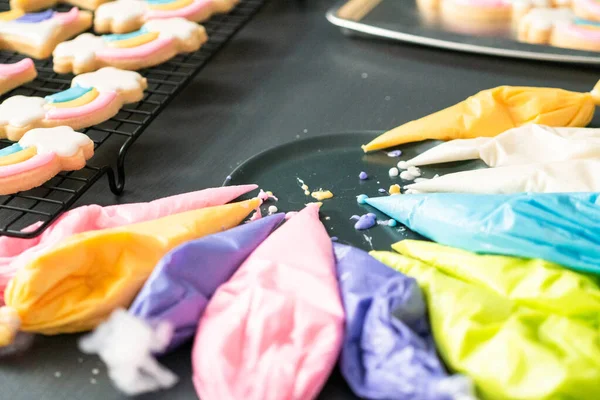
(32, 18)
(82, 49)
(583, 31)
(36, 162)
(484, 3)
(62, 140)
(184, 12)
(179, 28)
(20, 111)
(18, 157)
(110, 79)
(11, 15)
(135, 41)
(68, 95)
(124, 36)
(37, 28)
(80, 101)
(10, 150)
(142, 51)
(546, 18)
(100, 102)
(121, 11)
(590, 5)
(8, 70)
(170, 5)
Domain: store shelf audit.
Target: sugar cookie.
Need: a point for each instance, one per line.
(14, 75)
(587, 9)
(559, 27)
(93, 98)
(124, 16)
(156, 42)
(35, 5)
(40, 155)
(37, 34)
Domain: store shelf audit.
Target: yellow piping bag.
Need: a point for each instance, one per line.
(77, 284)
(493, 111)
(522, 329)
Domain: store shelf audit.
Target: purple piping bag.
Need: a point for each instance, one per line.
(167, 310)
(388, 350)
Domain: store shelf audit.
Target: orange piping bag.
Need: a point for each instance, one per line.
(15, 252)
(493, 111)
(76, 285)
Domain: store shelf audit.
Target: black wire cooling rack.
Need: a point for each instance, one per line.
(46, 203)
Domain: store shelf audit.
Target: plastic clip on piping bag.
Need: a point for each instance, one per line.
(168, 308)
(274, 330)
(528, 144)
(15, 252)
(559, 177)
(388, 350)
(521, 329)
(493, 111)
(77, 284)
(562, 228)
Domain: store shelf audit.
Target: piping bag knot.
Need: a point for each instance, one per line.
(10, 323)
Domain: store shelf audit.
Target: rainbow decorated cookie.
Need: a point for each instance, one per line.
(37, 34)
(92, 99)
(123, 16)
(14, 75)
(559, 27)
(40, 155)
(156, 42)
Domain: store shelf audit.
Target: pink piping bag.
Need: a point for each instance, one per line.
(17, 252)
(275, 329)
(167, 310)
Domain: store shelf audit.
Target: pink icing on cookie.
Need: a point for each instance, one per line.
(68, 17)
(590, 5)
(145, 50)
(103, 100)
(483, 3)
(184, 12)
(16, 68)
(38, 161)
(583, 33)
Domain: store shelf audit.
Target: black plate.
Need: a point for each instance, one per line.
(333, 162)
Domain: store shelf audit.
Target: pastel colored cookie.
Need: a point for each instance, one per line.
(14, 75)
(155, 43)
(35, 5)
(587, 9)
(37, 34)
(93, 98)
(486, 10)
(124, 16)
(40, 155)
(561, 28)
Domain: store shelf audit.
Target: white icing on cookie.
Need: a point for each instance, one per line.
(20, 111)
(121, 11)
(83, 48)
(172, 28)
(38, 34)
(546, 18)
(62, 140)
(110, 79)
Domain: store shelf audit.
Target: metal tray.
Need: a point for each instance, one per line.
(401, 20)
(333, 162)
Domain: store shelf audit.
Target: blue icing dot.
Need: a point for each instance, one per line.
(123, 36)
(32, 18)
(392, 222)
(67, 95)
(7, 151)
(361, 198)
(581, 21)
(159, 1)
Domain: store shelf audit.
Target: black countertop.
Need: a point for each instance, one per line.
(288, 74)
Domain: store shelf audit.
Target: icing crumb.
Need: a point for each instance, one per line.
(327, 218)
(393, 172)
(362, 198)
(322, 195)
(388, 98)
(364, 75)
(95, 371)
(382, 190)
(93, 381)
(403, 164)
(257, 215)
(306, 192)
(392, 222)
(57, 374)
(334, 239)
(80, 360)
(363, 176)
(305, 131)
(272, 210)
(369, 240)
(394, 153)
(395, 189)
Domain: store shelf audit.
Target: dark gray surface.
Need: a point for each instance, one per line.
(288, 71)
